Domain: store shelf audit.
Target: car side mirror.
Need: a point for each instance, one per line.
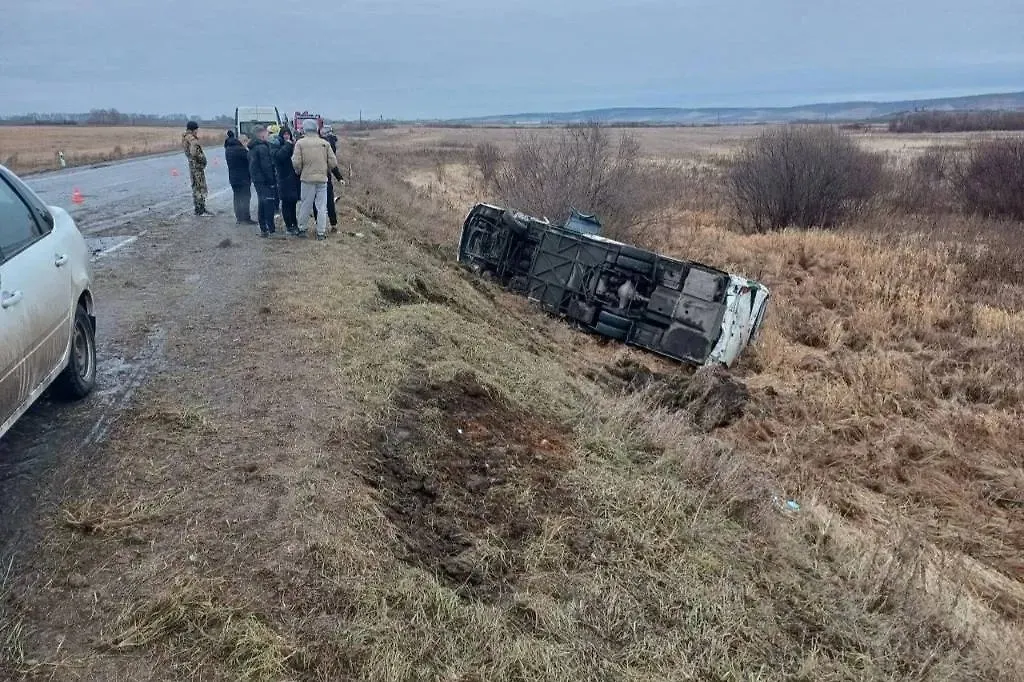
(47, 219)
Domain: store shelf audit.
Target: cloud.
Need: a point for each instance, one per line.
(454, 57)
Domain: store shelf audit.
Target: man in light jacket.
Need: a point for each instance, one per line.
(313, 159)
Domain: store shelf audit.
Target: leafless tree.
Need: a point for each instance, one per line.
(957, 121)
(487, 156)
(583, 168)
(803, 176)
(990, 179)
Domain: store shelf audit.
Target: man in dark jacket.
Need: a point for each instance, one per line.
(327, 133)
(261, 170)
(236, 157)
(288, 185)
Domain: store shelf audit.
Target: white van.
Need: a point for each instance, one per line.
(247, 118)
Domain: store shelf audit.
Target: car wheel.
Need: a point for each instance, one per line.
(611, 332)
(616, 321)
(79, 378)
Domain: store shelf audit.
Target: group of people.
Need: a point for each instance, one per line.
(293, 176)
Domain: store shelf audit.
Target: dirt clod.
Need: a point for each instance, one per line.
(466, 503)
(716, 398)
(713, 396)
(77, 581)
(396, 295)
(413, 291)
(135, 539)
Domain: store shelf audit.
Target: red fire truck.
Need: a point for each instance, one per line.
(302, 116)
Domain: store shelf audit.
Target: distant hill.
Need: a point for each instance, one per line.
(834, 111)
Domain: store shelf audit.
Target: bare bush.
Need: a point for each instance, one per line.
(487, 156)
(924, 183)
(584, 169)
(804, 176)
(990, 181)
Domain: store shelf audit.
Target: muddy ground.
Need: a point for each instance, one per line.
(152, 294)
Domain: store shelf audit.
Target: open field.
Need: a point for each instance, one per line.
(25, 149)
(387, 469)
(662, 143)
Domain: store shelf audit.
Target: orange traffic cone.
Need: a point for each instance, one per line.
(174, 172)
(76, 197)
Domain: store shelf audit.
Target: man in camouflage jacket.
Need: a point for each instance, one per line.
(196, 167)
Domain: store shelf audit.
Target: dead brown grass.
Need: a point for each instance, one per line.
(686, 144)
(437, 482)
(191, 618)
(26, 149)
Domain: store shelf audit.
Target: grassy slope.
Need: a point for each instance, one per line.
(320, 508)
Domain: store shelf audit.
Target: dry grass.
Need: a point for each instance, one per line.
(887, 380)
(438, 482)
(193, 620)
(26, 149)
(668, 143)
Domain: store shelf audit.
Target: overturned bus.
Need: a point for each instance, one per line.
(683, 310)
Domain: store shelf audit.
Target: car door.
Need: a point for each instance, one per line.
(36, 294)
(14, 345)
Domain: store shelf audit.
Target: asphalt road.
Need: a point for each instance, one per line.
(150, 275)
(122, 194)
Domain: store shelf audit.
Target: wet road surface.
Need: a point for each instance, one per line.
(135, 216)
(123, 194)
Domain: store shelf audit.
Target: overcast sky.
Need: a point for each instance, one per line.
(451, 58)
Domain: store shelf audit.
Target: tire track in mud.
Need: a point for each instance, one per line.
(116, 399)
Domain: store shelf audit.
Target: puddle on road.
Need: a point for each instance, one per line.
(113, 374)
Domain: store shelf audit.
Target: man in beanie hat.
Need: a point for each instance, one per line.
(196, 167)
(313, 159)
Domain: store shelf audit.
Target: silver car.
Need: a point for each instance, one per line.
(47, 322)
